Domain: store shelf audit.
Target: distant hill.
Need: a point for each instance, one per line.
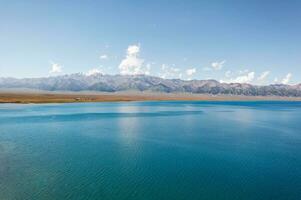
(114, 83)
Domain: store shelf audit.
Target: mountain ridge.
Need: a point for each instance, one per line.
(116, 83)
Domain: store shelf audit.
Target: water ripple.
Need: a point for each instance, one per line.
(92, 116)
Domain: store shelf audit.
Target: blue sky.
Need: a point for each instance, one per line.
(232, 41)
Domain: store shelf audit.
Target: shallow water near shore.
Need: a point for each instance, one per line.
(151, 150)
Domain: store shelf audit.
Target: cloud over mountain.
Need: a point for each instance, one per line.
(218, 65)
(286, 79)
(132, 64)
(55, 68)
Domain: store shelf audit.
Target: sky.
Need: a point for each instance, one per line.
(246, 41)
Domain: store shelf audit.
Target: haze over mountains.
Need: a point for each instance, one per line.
(115, 83)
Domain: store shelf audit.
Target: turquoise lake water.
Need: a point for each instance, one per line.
(151, 150)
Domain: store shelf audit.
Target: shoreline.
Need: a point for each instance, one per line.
(39, 97)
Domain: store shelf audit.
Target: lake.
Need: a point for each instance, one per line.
(151, 150)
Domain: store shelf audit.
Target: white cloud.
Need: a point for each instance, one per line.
(104, 57)
(180, 75)
(55, 68)
(286, 79)
(170, 72)
(190, 72)
(263, 75)
(133, 50)
(132, 64)
(249, 77)
(243, 71)
(93, 72)
(228, 73)
(147, 69)
(218, 65)
(246, 78)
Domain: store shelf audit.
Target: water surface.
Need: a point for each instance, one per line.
(151, 150)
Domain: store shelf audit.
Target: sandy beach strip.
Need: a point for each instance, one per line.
(71, 97)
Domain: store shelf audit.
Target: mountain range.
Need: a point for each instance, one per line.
(115, 83)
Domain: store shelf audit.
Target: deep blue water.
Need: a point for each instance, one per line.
(151, 150)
